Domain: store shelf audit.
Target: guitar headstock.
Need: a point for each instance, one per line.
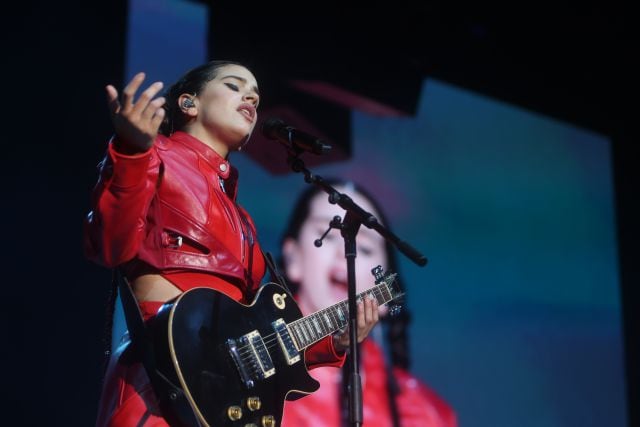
(390, 282)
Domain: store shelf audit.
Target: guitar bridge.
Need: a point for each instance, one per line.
(251, 357)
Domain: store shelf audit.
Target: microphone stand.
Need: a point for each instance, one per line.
(354, 218)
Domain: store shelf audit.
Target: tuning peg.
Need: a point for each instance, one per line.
(377, 273)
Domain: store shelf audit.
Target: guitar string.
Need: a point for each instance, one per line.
(270, 341)
(246, 353)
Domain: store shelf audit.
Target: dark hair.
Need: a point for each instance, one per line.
(396, 326)
(192, 82)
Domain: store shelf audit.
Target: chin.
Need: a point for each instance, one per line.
(239, 144)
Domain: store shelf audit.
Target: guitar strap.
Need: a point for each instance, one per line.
(173, 403)
(273, 270)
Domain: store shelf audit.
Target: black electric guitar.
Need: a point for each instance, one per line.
(238, 363)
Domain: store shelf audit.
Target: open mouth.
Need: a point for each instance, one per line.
(340, 286)
(248, 111)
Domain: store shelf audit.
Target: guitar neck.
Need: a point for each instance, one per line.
(314, 327)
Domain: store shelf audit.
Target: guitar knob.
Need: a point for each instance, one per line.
(234, 413)
(251, 425)
(268, 421)
(253, 403)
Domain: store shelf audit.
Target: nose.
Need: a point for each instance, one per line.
(251, 97)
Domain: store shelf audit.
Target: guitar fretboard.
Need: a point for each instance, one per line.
(318, 325)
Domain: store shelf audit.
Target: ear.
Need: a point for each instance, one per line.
(188, 104)
(292, 259)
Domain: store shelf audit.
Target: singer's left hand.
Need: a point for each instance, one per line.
(368, 315)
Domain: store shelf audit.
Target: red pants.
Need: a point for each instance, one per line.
(127, 397)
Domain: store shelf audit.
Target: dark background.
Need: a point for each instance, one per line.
(572, 63)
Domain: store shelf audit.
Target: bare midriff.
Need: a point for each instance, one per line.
(153, 287)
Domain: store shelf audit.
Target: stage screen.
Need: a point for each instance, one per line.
(516, 318)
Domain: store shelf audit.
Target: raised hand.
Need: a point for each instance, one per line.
(368, 315)
(136, 123)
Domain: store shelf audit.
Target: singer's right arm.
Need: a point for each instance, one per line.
(114, 228)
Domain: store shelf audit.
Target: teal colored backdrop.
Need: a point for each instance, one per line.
(517, 316)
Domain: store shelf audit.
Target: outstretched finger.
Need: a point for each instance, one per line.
(130, 90)
(112, 100)
(145, 98)
(156, 121)
(152, 108)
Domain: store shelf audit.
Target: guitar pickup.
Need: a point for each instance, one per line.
(260, 354)
(251, 358)
(288, 347)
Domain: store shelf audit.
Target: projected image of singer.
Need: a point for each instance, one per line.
(392, 396)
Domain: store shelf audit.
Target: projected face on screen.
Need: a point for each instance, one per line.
(515, 213)
(320, 273)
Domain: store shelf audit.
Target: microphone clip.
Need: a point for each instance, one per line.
(336, 223)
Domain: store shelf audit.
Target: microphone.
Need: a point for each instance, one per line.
(292, 138)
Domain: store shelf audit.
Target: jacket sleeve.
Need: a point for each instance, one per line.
(114, 227)
(323, 353)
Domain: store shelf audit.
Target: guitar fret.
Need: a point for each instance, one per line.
(293, 326)
(308, 328)
(320, 323)
(335, 318)
(332, 319)
(294, 336)
(327, 321)
(343, 318)
(314, 319)
(385, 292)
(304, 333)
(313, 327)
(375, 295)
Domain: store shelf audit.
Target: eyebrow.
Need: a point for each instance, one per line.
(242, 79)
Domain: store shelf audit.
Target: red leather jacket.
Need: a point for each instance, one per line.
(417, 404)
(172, 210)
